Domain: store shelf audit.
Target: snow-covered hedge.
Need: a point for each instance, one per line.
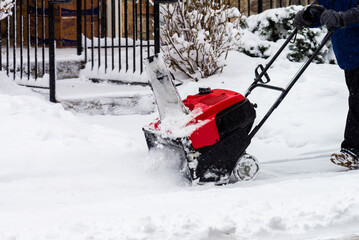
(196, 35)
(5, 8)
(263, 33)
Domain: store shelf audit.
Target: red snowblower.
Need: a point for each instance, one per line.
(210, 131)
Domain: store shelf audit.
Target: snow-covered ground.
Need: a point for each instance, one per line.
(76, 176)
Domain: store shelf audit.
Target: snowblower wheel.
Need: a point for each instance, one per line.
(246, 168)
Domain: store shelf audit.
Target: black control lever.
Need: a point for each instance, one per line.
(258, 77)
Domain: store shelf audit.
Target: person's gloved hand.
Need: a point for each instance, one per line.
(300, 21)
(332, 19)
(308, 16)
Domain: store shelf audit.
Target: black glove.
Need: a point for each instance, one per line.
(308, 16)
(332, 19)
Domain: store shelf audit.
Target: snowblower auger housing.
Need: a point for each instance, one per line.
(215, 146)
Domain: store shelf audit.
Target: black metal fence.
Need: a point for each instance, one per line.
(22, 41)
(118, 37)
(114, 36)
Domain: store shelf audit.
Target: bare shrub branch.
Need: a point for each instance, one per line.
(197, 35)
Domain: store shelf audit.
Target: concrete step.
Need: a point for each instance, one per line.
(84, 96)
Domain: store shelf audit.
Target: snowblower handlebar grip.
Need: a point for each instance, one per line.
(257, 74)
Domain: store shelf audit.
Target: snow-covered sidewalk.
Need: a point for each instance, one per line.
(75, 176)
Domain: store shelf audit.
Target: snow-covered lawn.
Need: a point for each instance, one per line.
(66, 176)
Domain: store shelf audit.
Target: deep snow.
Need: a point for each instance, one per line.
(75, 176)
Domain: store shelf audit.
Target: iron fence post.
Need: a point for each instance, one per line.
(79, 27)
(52, 83)
(157, 26)
(157, 21)
(260, 6)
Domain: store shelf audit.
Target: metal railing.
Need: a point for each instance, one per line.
(117, 38)
(22, 42)
(114, 36)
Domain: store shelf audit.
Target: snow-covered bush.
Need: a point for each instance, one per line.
(5, 8)
(264, 31)
(273, 24)
(307, 42)
(196, 35)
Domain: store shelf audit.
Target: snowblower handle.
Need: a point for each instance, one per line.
(291, 83)
(258, 76)
(260, 67)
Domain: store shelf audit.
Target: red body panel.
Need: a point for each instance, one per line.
(209, 105)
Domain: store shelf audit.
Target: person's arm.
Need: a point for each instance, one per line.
(351, 16)
(333, 19)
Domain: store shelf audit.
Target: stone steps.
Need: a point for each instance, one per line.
(84, 96)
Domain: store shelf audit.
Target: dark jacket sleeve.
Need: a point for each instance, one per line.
(351, 16)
